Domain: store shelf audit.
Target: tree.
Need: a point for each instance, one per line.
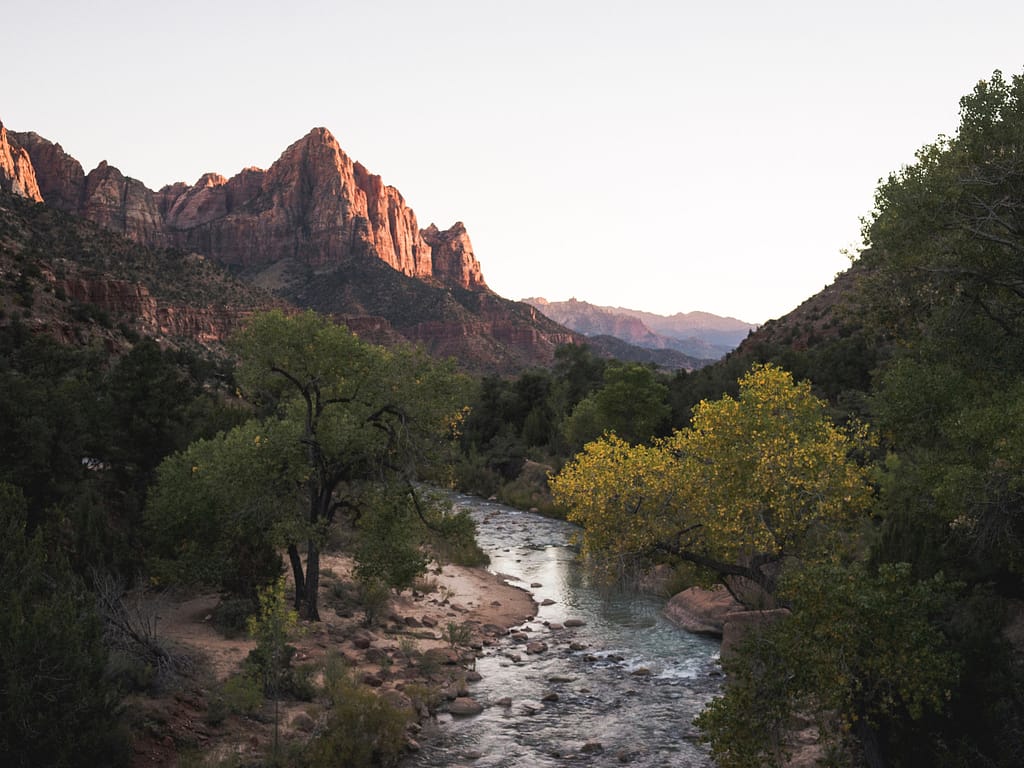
(947, 239)
(862, 653)
(631, 403)
(753, 482)
(220, 509)
(343, 420)
(56, 706)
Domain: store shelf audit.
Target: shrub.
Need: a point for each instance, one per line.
(362, 729)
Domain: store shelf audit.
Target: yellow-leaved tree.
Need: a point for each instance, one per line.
(753, 481)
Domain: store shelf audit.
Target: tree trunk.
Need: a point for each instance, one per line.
(312, 612)
(874, 754)
(300, 581)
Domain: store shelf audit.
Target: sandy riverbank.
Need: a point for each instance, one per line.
(386, 656)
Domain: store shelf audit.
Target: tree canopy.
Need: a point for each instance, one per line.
(753, 481)
(342, 420)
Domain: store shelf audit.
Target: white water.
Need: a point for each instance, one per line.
(638, 719)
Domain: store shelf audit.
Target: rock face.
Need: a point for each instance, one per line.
(453, 256)
(313, 206)
(16, 172)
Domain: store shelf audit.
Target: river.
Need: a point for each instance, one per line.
(622, 689)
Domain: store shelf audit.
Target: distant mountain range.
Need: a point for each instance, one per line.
(315, 230)
(699, 335)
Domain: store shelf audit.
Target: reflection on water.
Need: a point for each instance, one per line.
(621, 689)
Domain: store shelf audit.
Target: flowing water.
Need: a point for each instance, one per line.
(628, 697)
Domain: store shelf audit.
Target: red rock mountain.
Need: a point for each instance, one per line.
(316, 229)
(313, 206)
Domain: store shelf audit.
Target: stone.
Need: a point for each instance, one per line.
(592, 748)
(465, 706)
(549, 696)
(504, 701)
(536, 647)
(575, 623)
(701, 611)
(547, 601)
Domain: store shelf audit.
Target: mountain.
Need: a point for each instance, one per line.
(313, 205)
(316, 229)
(697, 334)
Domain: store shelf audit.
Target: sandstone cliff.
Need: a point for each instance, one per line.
(316, 228)
(314, 205)
(16, 172)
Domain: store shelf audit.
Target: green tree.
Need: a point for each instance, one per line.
(272, 628)
(56, 706)
(753, 482)
(631, 403)
(344, 419)
(862, 653)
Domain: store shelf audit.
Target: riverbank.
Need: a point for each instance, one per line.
(427, 637)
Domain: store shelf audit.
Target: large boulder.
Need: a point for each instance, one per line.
(702, 611)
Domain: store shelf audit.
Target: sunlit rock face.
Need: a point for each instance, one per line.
(16, 172)
(454, 261)
(314, 206)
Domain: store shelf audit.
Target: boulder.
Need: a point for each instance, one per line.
(702, 611)
(465, 706)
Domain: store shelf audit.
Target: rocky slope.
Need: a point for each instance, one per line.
(79, 283)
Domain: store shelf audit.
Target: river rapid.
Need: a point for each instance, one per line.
(622, 689)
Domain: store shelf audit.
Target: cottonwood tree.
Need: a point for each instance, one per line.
(343, 419)
(753, 481)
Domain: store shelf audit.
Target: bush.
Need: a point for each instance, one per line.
(362, 729)
(373, 596)
(238, 695)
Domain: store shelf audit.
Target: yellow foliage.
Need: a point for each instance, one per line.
(766, 473)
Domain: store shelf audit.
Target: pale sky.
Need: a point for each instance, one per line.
(663, 156)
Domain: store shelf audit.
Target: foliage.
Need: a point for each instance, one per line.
(240, 694)
(362, 728)
(861, 652)
(632, 403)
(84, 433)
(271, 627)
(753, 481)
(215, 515)
(359, 418)
(390, 534)
(57, 707)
